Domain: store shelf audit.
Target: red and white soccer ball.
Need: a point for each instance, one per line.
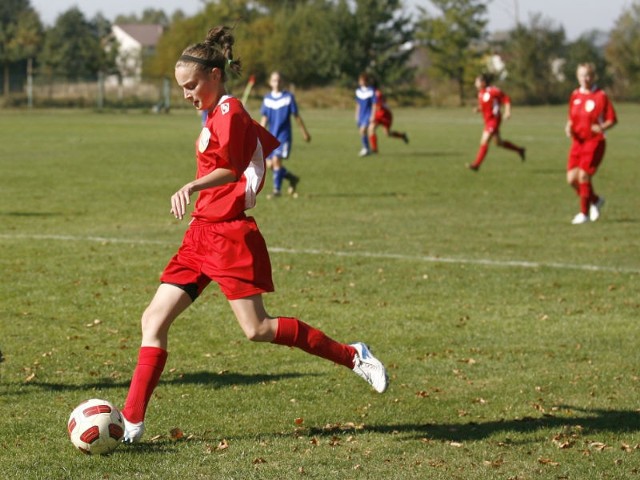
(96, 427)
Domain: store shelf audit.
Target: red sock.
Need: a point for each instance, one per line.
(294, 333)
(151, 361)
(510, 146)
(585, 191)
(482, 152)
(373, 141)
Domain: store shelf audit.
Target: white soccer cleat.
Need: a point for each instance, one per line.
(370, 368)
(594, 209)
(132, 431)
(579, 219)
(363, 153)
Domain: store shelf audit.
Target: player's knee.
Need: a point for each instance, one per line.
(256, 335)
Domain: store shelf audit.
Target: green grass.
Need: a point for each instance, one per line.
(510, 335)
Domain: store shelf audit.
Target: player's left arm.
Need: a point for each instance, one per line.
(506, 101)
(182, 198)
(610, 118)
(303, 128)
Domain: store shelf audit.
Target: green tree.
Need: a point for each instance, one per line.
(623, 52)
(374, 36)
(20, 35)
(534, 57)
(150, 16)
(72, 48)
(305, 45)
(455, 39)
(588, 48)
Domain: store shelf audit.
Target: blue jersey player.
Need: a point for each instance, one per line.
(278, 107)
(365, 98)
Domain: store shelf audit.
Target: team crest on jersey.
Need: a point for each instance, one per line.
(589, 105)
(203, 140)
(486, 97)
(224, 108)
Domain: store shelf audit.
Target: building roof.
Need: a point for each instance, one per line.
(146, 35)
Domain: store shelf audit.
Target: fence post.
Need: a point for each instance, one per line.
(30, 83)
(100, 90)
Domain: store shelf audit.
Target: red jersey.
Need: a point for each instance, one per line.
(586, 109)
(382, 113)
(231, 139)
(490, 101)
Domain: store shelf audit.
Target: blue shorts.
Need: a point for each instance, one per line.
(282, 151)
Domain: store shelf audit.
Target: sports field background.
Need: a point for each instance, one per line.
(511, 336)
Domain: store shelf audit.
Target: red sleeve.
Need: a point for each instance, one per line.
(504, 98)
(609, 111)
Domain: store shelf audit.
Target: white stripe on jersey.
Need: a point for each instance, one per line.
(363, 94)
(253, 175)
(276, 104)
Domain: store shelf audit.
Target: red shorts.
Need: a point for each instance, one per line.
(232, 253)
(586, 156)
(383, 117)
(492, 125)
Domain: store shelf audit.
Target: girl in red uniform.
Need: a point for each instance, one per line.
(382, 116)
(590, 114)
(223, 244)
(490, 102)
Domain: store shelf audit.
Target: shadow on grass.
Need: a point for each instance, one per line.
(355, 195)
(592, 421)
(208, 379)
(30, 214)
(436, 155)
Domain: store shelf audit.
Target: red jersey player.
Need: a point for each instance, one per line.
(382, 116)
(590, 114)
(490, 102)
(222, 244)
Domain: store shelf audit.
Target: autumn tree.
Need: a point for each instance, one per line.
(623, 52)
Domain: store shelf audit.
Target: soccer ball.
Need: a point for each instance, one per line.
(95, 427)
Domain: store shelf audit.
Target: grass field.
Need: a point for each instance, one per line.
(511, 336)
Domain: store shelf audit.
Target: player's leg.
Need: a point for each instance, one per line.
(373, 137)
(258, 326)
(506, 144)
(591, 167)
(168, 302)
(364, 139)
(394, 133)
(486, 137)
(285, 173)
(278, 174)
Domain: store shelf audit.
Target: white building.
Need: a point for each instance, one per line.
(135, 43)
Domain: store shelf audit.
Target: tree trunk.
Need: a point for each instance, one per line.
(6, 83)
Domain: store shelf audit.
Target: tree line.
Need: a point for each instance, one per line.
(317, 43)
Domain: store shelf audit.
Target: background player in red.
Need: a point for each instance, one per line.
(221, 243)
(590, 114)
(382, 116)
(490, 102)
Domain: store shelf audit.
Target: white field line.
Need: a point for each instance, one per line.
(307, 251)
